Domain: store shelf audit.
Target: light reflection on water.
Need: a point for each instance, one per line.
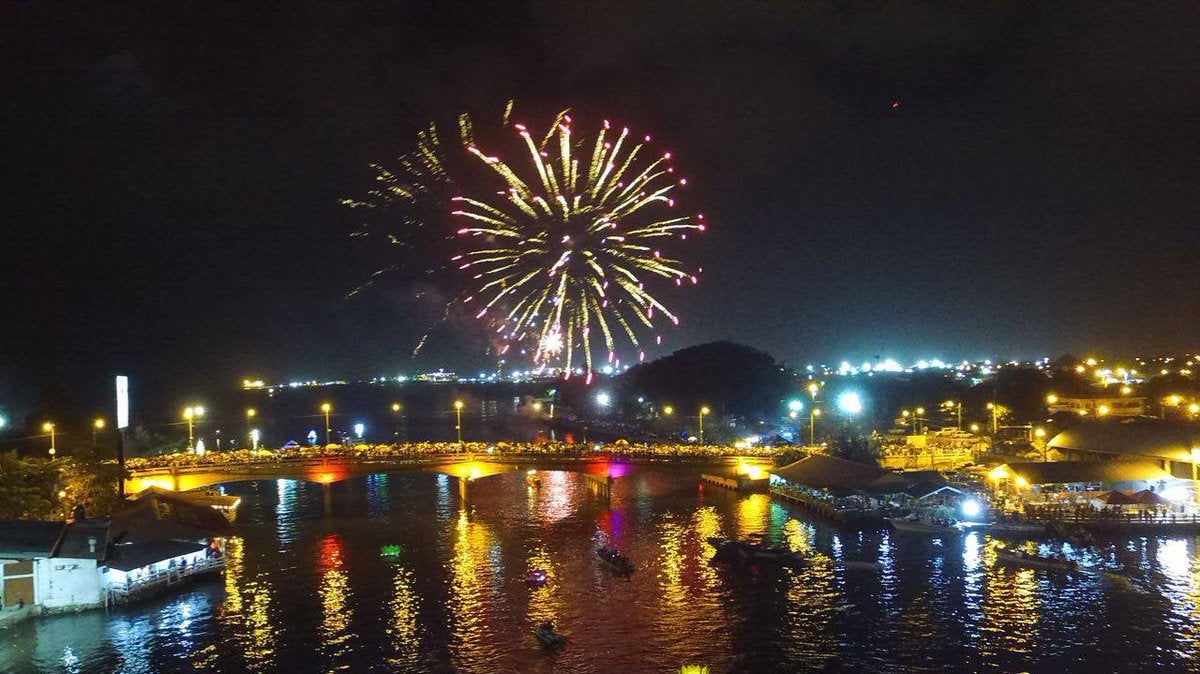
(307, 590)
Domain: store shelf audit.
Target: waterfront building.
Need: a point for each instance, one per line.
(946, 448)
(1098, 406)
(157, 540)
(1172, 446)
(1091, 484)
(55, 566)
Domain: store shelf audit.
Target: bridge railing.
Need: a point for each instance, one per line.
(368, 457)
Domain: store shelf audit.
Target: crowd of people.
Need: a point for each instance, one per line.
(422, 450)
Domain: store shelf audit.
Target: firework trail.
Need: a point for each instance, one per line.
(565, 255)
(562, 250)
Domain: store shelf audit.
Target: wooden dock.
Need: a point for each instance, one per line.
(812, 505)
(741, 483)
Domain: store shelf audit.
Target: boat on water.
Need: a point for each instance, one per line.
(731, 551)
(1017, 529)
(922, 526)
(619, 563)
(550, 639)
(536, 578)
(1053, 563)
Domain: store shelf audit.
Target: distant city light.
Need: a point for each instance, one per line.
(850, 403)
(971, 508)
(795, 405)
(603, 399)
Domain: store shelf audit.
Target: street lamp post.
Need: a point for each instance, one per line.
(396, 422)
(97, 426)
(920, 420)
(190, 414)
(957, 407)
(995, 409)
(812, 426)
(49, 428)
(327, 408)
(703, 411)
(251, 413)
(458, 405)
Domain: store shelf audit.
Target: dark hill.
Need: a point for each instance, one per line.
(730, 378)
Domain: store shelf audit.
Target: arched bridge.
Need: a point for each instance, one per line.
(466, 466)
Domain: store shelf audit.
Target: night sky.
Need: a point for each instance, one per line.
(171, 175)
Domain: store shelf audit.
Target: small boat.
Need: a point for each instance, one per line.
(918, 526)
(1017, 529)
(548, 637)
(1035, 561)
(732, 551)
(619, 563)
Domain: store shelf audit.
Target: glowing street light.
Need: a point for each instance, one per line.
(668, 411)
(996, 411)
(918, 417)
(49, 428)
(254, 436)
(1052, 399)
(1102, 410)
(950, 404)
(359, 429)
(703, 411)
(97, 426)
(812, 425)
(327, 408)
(603, 399)
(795, 405)
(813, 388)
(850, 403)
(396, 407)
(191, 414)
(458, 405)
(3, 422)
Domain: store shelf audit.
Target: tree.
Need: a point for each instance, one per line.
(855, 448)
(26, 487)
(91, 482)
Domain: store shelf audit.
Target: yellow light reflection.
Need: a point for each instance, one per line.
(753, 511)
(544, 602)
(1009, 604)
(334, 592)
(403, 630)
(469, 601)
(248, 602)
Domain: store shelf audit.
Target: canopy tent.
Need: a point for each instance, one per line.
(827, 472)
(1117, 498)
(1147, 497)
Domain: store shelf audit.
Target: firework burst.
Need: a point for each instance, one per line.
(566, 250)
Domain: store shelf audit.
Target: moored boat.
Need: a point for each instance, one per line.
(1032, 530)
(1055, 563)
(918, 526)
(732, 551)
